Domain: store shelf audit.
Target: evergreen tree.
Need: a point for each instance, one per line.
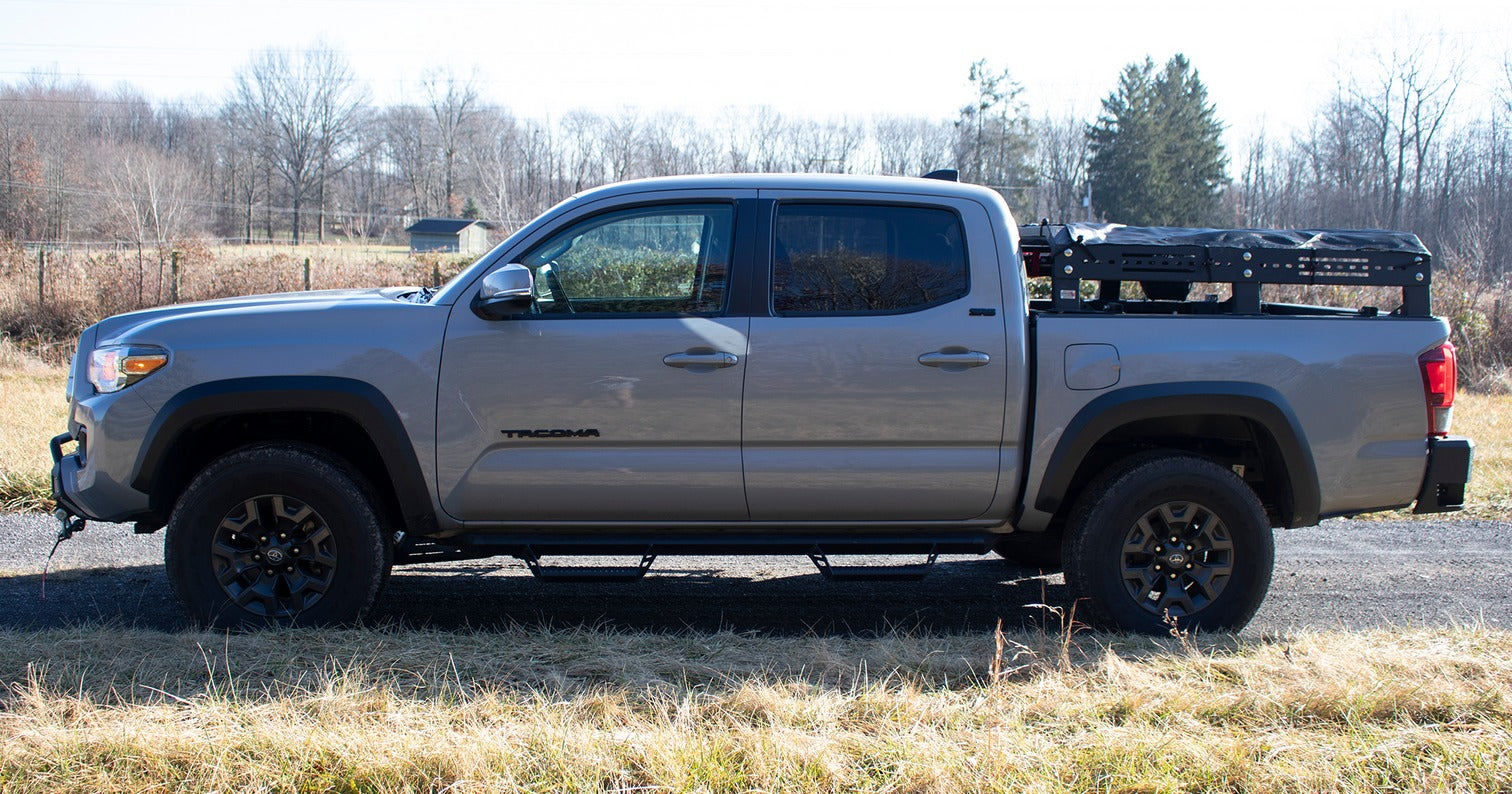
(1157, 158)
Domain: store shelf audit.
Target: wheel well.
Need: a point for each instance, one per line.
(201, 443)
(1229, 441)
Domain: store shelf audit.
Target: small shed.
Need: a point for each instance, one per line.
(450, 235)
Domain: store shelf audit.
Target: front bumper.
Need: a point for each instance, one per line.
(1449, 461)
(65, 468)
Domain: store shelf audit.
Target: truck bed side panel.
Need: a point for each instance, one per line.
(1352, 383)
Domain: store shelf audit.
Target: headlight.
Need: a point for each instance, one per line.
(114, 367)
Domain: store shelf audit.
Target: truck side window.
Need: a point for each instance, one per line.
(649, 260)
(865, 259)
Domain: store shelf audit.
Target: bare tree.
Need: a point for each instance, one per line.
(149, 202)
(673, 143)
(582, 143)
(300, 108)
(497, 160)
(453, 105)
(1412, 93)
(912, 146)
(409, 142)
(1061, 154)
(754, 139)
(21, 186)
(620, 144)
(825, 146)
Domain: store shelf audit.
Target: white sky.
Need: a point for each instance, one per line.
(811, 58)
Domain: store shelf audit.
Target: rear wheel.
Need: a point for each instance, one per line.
(278, 534)
(1165, 539)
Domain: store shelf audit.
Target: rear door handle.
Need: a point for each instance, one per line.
(701, 360)
(955, 359)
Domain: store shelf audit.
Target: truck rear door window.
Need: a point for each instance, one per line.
(865, 259)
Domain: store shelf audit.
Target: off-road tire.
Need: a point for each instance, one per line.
(329, 568)
(1118, 580)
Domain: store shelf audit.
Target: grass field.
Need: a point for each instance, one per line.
(111, 709)
(34, 411)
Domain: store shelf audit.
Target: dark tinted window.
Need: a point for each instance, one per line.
(865, 259)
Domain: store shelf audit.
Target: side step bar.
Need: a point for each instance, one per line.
(626, 573)
(531, 547)
(586, 573)
(871, 573)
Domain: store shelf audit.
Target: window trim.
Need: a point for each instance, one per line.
(769, 255)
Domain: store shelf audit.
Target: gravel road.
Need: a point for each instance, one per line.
(1343, 574)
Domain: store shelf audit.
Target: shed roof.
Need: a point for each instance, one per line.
(439, 225)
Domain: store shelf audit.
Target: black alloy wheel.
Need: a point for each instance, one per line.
(274, 556)
(1177, 559)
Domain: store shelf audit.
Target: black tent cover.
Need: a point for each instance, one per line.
(1315, 239)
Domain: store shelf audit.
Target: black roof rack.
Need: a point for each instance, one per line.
(1245, 258)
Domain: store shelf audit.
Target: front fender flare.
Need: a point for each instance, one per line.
(362, 402)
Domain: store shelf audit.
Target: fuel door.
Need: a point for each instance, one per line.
(1091, 367)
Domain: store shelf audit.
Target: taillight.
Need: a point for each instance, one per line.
(1440, 376)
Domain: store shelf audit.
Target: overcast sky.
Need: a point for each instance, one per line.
(803, 57)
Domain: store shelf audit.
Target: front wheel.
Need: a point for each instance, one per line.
(277, 534)
(1165, 540)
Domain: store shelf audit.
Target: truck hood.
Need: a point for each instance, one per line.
(112, 328)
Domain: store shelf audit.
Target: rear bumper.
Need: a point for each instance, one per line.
(1449, 461)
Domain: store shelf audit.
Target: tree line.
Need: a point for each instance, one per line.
(298, 151)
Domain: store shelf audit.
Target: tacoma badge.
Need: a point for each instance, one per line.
(559, 433)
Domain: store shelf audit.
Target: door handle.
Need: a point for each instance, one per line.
(955, 359)
(701, 360)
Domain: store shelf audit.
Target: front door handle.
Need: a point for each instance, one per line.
(701, 360)
(955, 359)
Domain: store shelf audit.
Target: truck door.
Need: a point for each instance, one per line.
(617, 397)
(876, 381)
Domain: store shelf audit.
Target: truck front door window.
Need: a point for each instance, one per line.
(656, 260)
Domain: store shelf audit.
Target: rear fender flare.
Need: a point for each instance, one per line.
(1252, 401)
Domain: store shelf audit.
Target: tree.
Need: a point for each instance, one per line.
(912, 146)
(992, 145)
(1157, 157)
(454, 108)
(1414, 89)
(148, 203)
(301, 110)
(1060, 154)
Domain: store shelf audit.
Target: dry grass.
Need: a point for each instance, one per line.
(109, 709)
(1487, 420)
(32, 394)
(84, 285)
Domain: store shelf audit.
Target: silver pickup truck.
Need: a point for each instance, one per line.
(770, 364)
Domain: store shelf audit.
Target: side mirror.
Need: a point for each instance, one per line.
(505, 292)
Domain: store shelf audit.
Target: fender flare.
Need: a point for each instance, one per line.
(1260, 404)
(361, 402)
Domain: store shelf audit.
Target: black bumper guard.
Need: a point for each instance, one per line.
(1449, 461)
